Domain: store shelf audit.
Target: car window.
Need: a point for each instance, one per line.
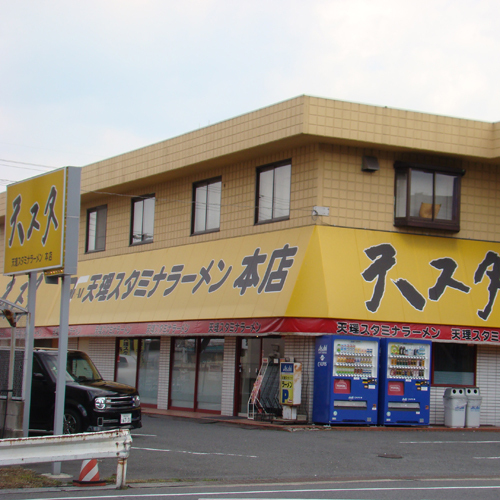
(79, 368)
(82, 369)
(51, 363)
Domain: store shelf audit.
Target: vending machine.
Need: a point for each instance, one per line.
(404, 382)
(346, 380)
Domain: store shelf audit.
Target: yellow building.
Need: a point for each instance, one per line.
(202, 254)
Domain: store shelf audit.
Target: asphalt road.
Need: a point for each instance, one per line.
(174, 449)
(362, 490)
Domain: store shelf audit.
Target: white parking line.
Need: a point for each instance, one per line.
(449, 442)
(228, 495)
(194, 452)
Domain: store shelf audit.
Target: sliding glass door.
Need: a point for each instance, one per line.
(196, 374)
(137, 364)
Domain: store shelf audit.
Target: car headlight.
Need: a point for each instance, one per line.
(100, 403)
(136, 401)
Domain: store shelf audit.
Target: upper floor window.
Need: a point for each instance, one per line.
(206, 206)
(143, 219)
(427, 196)
(96, 229)
(273, 192)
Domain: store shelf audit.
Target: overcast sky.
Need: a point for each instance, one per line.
(81, 81)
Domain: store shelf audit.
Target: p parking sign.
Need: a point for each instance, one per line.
(290, 383)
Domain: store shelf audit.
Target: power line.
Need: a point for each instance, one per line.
(242, 206)
(26, 163)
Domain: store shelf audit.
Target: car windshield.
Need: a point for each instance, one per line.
(79, 368)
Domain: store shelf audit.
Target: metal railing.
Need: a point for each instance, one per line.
(85, 446)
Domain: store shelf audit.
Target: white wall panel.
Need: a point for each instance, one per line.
(487, 379)
(102, 351)
(164, 373)
(488, 371)
(228, 376)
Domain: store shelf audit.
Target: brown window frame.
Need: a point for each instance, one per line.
(403, 172)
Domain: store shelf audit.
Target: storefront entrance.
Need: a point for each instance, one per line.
(142, 374)
(251, 350)
(196, 374)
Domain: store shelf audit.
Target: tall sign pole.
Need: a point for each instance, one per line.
(28, 352)
(70, 267)
(43, 214)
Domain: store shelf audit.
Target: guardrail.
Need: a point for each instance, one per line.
(106, 444)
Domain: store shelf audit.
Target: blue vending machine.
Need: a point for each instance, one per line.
(404, 382)
(346, 380)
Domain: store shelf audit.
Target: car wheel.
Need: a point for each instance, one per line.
(72, 421)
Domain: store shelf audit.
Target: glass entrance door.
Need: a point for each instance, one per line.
(249, 364)
(149, 367)
(196, 374)
(251, 352)
(126, 361)
(138, 365)
(183, 376)
(209, 387)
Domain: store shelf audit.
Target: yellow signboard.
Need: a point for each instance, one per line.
(309, 272)
(35, 223)
(383, 276)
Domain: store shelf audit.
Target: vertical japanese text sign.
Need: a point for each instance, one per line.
(41, 223)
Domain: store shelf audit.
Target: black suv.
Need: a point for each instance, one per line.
(92, 404)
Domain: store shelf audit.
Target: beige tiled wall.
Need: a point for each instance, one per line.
(365, 200)
(326, 140)
(356, 199)
(325, 175)
(395, 128)
(2, 239)
(173, 205)
(241, 133)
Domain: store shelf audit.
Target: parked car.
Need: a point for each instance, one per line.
(91, 403)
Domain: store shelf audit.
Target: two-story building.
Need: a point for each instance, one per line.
(203, 253)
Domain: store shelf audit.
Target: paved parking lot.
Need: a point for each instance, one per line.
(179, 449)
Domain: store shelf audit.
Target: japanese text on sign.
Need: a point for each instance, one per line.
(35, 220)
(383, 259)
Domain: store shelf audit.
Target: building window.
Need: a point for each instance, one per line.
(273, 192)
(138, 365)
(427, 197)
(454, 364)
(143, 219)
(206, 206)
(96, 229)
(196, 374)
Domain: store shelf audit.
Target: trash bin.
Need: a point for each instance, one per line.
(455, 404)
(473, 412)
